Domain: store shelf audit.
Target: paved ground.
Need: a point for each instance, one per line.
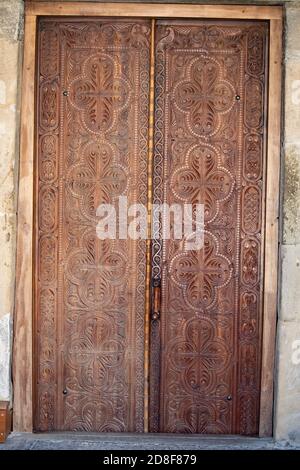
(79, 441)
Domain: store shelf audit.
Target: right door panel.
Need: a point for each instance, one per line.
(210, 134)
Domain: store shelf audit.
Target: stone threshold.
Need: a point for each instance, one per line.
(117, 441)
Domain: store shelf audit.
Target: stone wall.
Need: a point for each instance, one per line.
(287, 388)
(11, 33)
(287, 377)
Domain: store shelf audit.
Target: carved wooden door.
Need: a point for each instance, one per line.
(93, 144)
(209, 149)
(92, 136)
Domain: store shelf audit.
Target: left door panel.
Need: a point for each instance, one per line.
(91, 148)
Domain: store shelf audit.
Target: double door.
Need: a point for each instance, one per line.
(135, 335)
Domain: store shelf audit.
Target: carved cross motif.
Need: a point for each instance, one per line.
(98, 270)
(203, 96)
(98, 180)
(100, 93)
(201, 353)
(202, 181)
(200, 273)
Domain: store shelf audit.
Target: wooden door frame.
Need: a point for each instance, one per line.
(23, 319)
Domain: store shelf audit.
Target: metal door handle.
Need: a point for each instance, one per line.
(156, 300)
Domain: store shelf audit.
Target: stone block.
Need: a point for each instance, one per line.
(11, 19)
(290, 282)
(291, 194)
(10, 58)
(287, 388)
(293, 30)
(5, 356)
(292, 101)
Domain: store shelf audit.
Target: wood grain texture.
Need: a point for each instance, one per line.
(22, 358)
(152, 10)
(271, 230)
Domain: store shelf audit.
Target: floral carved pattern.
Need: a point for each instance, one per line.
(49, 51)
(97, 179)
(204, 96)
(201, 273)
(251, 206)
(49, 110)
(198, 417)
(98, 273)
(49, 150)
(254, 103)
(248, 319)
(250, 261)
(48, 208)
(47, 265)
(200, 354)
(253, 157)
(255, 52)
(100, 93)
(98, 352)
(202, 180)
